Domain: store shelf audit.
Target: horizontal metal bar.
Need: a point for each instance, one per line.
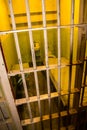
(44, 97)
(14, 72)
(46, 117)
(44, 28)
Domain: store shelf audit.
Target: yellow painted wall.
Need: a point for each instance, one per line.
(7, 40)
(65, 33)
(4, 21)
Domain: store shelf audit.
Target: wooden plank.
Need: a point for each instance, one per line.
(33, 13)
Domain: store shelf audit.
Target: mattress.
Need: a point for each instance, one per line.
(64, 78)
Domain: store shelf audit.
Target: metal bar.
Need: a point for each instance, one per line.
(38, 98)
(45, 33)
(30, 34)
(46, 59)
(41, 68)
(42, 28)
(79, 57)
(84, 82)
(33, 59)
(44, 97)
(46, 117)
(59, 46)
(71, 58)
(15, 35)
(27, 97)
(71, 51)
(19, 58)
(85, 74)
(59, 60)
(79, 70)
(8, 94)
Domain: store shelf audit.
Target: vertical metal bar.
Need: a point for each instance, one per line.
(46, 59)
(45, 33)
(71, 52)
(15, 35)
(79, 69)
(30, 34)
(33, 59)
(59, 47)
(71, 58)
(38, 96)
(20, 60)
(27, 96)
(84, 82)
(59, 59)
(8, 94)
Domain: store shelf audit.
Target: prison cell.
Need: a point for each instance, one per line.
(43, 65)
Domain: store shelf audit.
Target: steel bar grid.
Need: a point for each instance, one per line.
(19, 57)
(27, 100)
(41, 68)
(33, 59)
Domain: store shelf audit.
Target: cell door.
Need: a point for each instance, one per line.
(43, 64)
